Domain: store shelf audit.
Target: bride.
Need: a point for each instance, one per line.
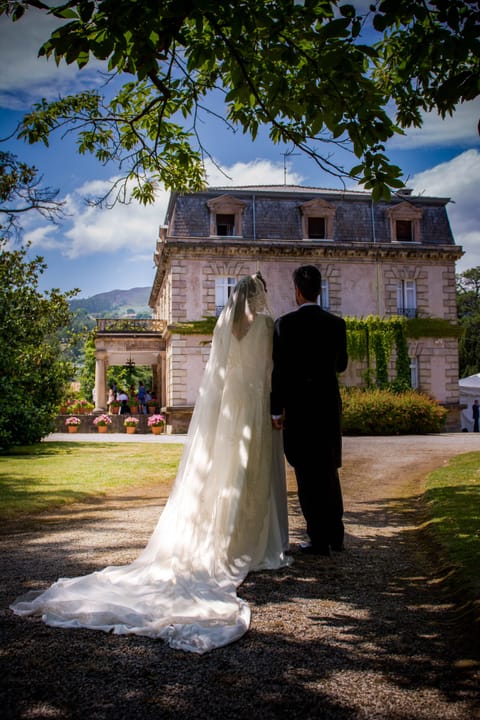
(226, 515)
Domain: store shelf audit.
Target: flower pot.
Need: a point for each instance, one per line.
(115, 410)
(133, 409)
(130, 429)
(72, 428)
(102, 428)
(151, 409)
(157, 429)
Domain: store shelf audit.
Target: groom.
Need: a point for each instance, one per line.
(309, 348)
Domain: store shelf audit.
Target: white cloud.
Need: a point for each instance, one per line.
(41, 237)
(458, 179)
(459, 129)
(88, 230)
(133, 227)
(30, 77)
(255, 172)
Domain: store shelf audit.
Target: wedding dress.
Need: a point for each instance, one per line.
(226, 515)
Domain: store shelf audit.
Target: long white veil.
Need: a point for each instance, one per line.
(226, 514)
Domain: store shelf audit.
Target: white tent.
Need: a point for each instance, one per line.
(469, 391)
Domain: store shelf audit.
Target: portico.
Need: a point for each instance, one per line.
(123, 342)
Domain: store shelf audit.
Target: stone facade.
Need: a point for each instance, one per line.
(369, 254)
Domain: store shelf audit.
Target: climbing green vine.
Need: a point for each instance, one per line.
(372, 340)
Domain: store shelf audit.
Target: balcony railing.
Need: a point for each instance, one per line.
(409, 313)
(127, 325)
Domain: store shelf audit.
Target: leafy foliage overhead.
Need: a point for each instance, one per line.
(316, 74)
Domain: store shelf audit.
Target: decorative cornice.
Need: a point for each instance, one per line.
(316, 249)
(209, 246)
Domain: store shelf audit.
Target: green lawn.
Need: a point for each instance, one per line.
(453, 500)
(50, 474)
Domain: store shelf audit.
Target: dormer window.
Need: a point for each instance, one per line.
(317, 220)
(405, 222)
(316, 228)
(403, 230)
(225, 224)
(226, 216)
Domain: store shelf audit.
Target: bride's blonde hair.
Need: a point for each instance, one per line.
(248, 299)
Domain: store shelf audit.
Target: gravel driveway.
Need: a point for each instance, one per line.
(370, 634)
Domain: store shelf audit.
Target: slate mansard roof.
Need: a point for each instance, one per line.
(273, 213)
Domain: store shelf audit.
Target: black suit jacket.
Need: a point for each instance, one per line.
(309, 349)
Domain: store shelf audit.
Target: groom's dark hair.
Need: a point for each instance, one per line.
(308, 280)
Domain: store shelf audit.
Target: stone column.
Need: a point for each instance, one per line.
(100, 381)
(160, 375)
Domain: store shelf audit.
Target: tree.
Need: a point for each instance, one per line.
(301, 68)
(33, 375)
(468, 308)
(21, 192)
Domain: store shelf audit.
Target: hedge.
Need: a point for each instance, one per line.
(380, 412)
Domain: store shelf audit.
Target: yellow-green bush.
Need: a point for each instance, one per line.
(380, 412)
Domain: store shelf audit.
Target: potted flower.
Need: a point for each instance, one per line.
(152, 405)
(115, 407)
(133, 405)
(130, 424)
(72, 423)
(102, 422)
(82, 407)
(156, 423)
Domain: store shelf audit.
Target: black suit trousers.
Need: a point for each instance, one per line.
(320, 496)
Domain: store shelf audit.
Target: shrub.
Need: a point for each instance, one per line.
(380, 412)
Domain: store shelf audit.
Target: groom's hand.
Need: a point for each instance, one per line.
(277, 422)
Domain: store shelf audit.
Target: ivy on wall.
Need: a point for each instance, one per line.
(370, 340)
(433, 327)
(205, 326)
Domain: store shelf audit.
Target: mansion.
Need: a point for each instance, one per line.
(376, 258)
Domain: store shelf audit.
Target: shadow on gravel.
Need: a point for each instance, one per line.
(367, 634)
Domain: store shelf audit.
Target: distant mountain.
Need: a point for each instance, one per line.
(116, 303)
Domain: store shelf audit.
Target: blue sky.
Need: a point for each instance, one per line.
(98, 250)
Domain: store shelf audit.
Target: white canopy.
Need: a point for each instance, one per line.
(469, 391)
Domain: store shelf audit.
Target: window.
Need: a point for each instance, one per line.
(323, 299)
(225, 224)
(226, 216)
(317, 219)
(316, 228)
(414, 373)
(405, 222)
(404, 230)
(223, 288)
(407, 298)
